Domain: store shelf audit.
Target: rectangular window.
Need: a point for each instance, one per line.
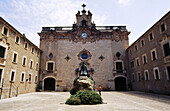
(137, 62)
(139, 76)
(133, 77)
(144, 59)
(26, 45)
(37, 67)
(136, 48)
(142, 43)
(132, 64)
(2, 52)
(22, 77)
(12, 76)
(24, 61)
(38, 53)
(168, 72)
(32, 50)
(166, 49)
(5, 32)
(156, 73)
(153, 54)
(151, 36)
(15, 58)
(119, 67)
(50, 66)
(163, 27)
(146, 75)
(17, 39)
(31, 64)
(36, 78)
(30, 77)
(130, 52)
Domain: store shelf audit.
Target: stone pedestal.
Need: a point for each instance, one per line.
(84, 83)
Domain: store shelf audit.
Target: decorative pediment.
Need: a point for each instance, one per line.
(165, 37)
(4, 41)
(85, 34)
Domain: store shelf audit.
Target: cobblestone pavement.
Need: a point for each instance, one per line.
(114, 101)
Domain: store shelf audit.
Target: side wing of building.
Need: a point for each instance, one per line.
(19, 62)
(149, 59)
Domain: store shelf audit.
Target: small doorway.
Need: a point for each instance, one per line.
(120, 84)
(49, 84)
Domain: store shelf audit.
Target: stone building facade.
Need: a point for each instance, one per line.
(149, 59)
(19, 62)
(102, 48)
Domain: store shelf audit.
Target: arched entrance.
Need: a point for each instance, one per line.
(120, 84)
(49, 84)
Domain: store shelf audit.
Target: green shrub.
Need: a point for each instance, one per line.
(75, 80)
(73, 91)
(91, 78)
(85, 97)
(73, 100)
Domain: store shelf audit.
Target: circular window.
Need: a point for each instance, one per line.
(84, 55)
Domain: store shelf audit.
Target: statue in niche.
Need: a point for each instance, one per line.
(83, 70)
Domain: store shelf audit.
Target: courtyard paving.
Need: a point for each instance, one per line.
(113, 101)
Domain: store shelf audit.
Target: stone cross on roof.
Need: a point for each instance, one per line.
(83, 6)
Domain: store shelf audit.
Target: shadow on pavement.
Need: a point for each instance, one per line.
(151, 96)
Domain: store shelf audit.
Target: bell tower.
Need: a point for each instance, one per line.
(84, 19)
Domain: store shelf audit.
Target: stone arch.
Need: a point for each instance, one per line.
(120, 83)
(49, 83)
(84, 23)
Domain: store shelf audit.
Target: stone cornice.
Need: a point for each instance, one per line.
(92, 35)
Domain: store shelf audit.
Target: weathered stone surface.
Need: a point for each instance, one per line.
(84, 83)
(7, 65)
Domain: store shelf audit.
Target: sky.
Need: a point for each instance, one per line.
(29, 16)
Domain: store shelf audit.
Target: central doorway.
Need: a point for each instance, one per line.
(49, 84)
(120, 84)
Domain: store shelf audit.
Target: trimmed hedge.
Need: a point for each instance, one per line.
(85, 97)
(73, 100)
(75, 80)
(73, 91)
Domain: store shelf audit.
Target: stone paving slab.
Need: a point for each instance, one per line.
(114, 101)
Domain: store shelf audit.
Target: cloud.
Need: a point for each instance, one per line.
(99, 20)
(29, 16)
(124, 2)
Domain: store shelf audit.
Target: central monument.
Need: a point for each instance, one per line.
(83, 81)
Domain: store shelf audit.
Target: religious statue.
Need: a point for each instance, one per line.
(83, 70)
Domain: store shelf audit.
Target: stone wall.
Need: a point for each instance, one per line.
(13, 47)
(161, 85)
(66, 69)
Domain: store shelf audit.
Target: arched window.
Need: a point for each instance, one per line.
(84, 55)
(84, 23)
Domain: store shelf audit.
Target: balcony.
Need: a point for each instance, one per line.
(49, 73)
(167, 59)
(119, 72)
